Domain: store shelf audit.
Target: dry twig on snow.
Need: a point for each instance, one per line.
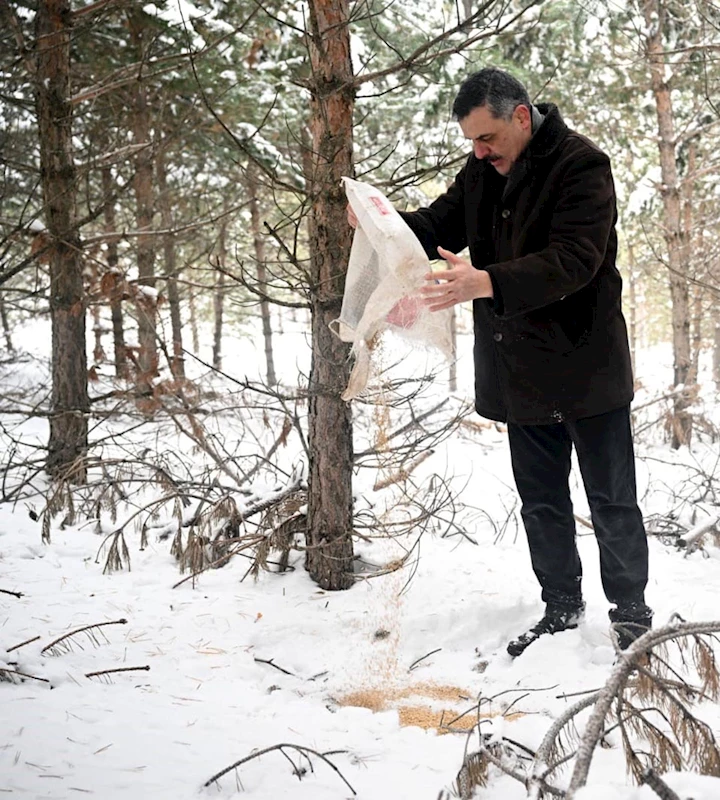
(22, 644)
(63, 643)
(299, 771)
(15, 676)
(103, 672)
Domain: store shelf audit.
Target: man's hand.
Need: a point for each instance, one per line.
(459, 283)
(351, 218)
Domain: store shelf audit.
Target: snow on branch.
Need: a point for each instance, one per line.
(646, 698)
(693, 538)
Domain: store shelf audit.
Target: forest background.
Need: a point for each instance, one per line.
(171, 184)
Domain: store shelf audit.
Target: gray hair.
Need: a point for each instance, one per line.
(494, 88)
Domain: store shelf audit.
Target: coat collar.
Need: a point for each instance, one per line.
(549, 135)
(544, 141)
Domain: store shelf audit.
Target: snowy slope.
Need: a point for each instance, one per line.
(340, 678)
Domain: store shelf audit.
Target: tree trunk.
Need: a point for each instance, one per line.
(177, 360)
(194, 332)
(697, 333)
(716, 345)
(6, 325)
(143, 189)
(97, 326)
(696, 293)
(453, 340)
(219, 299)
(676, 237)
(115, 282)
(329, 531)
(259, 244)
(632, 295)
(68, 422)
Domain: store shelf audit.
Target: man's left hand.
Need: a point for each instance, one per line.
(458, 284)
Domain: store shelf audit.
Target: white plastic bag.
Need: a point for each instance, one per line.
(387, 267)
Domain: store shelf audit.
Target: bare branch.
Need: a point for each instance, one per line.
(661, 789)
(145, 668)
(305, 751)
(425, 52)
(89, 629)
(691, 540)
(22, 644)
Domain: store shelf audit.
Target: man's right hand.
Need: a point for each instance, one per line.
(351, 218)
(459, 283)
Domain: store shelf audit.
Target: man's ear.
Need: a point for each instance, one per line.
(522, 114)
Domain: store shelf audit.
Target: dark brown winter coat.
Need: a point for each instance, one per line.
(552, 344)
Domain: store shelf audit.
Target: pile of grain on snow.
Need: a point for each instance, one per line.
(443, 714)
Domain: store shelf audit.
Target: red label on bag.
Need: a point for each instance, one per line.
(380, 205)
(405, 312)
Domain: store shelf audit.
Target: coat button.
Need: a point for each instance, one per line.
(497, 337)
(505, 213)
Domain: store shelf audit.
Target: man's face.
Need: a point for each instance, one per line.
(499, 141)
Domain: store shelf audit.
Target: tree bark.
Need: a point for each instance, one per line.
(97, 326)
(716, 346)
(192, 306)
(676, 237)
(6, 325)
(695, 293)
(68, 422)
(259, 245)
(219, 299)
(143, 189)
(632, 296)
(329, 530)
(453, 340)
(177, 360)
(115, 282)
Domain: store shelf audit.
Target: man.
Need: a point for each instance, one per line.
(535, 205)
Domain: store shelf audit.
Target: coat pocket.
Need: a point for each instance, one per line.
(542, 336)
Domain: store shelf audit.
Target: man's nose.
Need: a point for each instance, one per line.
(480, 149)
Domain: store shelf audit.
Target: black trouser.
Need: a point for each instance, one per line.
(541, 465)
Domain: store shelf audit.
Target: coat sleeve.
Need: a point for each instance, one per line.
(580, 225)
(442, 224)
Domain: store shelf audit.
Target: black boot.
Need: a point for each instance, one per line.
(630, 623)
(556, 619)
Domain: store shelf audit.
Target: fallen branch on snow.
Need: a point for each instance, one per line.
(22, 644)
(661, 789)
(684, 742)
(101, 672)
(12, 676)
(693, 538)
(61, 644)
(305, 752)
(271, 663)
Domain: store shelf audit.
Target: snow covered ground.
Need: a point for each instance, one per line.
(239, 665)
